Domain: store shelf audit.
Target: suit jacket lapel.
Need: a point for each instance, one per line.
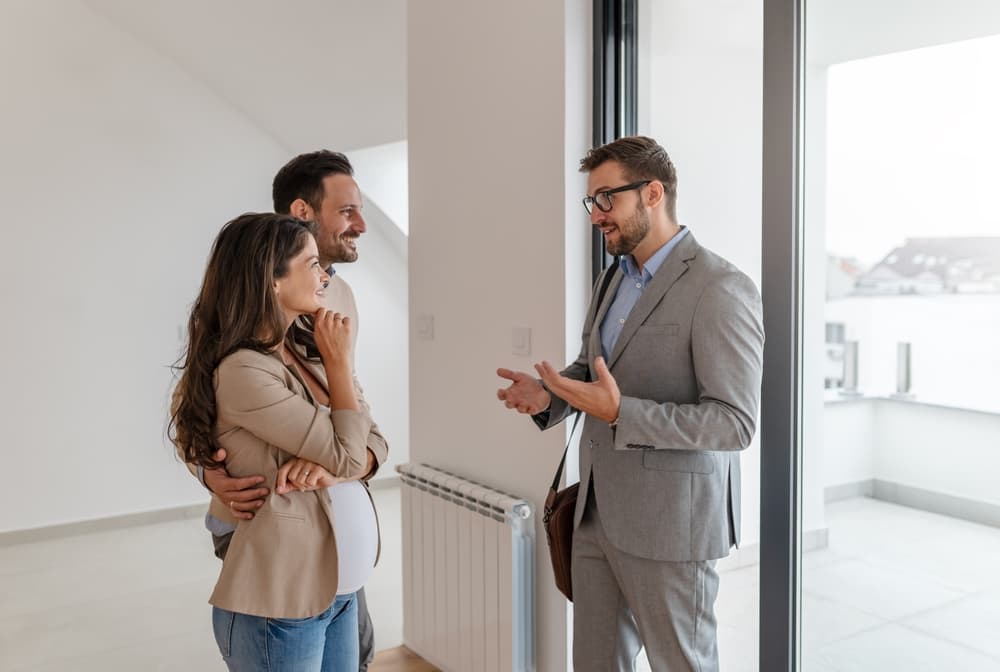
(595, 329)
(675, 265)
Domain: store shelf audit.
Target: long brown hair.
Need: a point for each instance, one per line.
(236, 309)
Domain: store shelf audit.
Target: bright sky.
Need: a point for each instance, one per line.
(913, 147)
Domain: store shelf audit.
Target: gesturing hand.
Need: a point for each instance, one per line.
(525, 394)
(600, 399)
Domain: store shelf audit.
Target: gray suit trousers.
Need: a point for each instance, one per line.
(622, 602)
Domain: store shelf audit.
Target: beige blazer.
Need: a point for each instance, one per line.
(283, 563)
(291, 537)
(340, 298)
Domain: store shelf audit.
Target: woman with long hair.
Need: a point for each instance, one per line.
(276, 605)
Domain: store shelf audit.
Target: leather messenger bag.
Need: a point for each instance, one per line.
(560, 505)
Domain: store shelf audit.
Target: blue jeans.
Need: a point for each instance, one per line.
(324, 643)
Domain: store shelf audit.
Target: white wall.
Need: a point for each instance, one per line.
(951, 451)
(386, 176)
(311, 73)
(849, 443)
(118, 168)
(492, 193)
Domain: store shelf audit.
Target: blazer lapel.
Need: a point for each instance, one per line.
(594, 345)
(675, 265)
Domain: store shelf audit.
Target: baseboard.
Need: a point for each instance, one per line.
(836, 493)
(974, 511)
(14, 537)
(48, 532)
(386, 483)
(749, 555)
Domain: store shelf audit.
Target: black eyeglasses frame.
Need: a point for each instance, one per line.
(590, 201)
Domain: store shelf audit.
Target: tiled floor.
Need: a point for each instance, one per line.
(897, 589)
(136, 599)
(903, 590)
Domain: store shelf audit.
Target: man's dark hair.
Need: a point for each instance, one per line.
(642, 158)
(303, 176)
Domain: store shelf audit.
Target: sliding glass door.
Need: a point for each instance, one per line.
(882, 288)
(900, 316)
(844, 154)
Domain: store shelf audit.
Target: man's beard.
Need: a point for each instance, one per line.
(342, 252)
(630, 233)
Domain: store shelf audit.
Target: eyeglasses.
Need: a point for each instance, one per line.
(602, 199)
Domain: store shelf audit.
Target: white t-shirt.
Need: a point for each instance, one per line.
(356, 532)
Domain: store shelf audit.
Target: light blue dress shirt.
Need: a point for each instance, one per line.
(632, 285)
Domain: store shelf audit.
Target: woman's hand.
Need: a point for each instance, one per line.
(332, 332)
(303, 475)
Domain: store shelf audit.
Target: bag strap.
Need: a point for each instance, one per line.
(562, 462)
(606, 282)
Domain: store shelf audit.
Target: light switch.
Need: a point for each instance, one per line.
(425, 327)
(521, 341)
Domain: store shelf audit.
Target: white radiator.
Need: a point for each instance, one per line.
(468, 573)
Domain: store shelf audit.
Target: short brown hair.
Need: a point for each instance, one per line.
(642, 159)
(303, 176)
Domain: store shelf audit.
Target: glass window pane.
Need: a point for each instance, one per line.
(901, 319)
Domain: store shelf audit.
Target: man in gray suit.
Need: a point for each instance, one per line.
(669, 379)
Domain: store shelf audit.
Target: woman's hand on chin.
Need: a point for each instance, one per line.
(332, 332)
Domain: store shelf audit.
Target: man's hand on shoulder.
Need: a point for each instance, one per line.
(243, 496)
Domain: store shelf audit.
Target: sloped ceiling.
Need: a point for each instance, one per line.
(311, 73)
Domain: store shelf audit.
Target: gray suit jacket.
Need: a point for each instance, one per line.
(688, 363)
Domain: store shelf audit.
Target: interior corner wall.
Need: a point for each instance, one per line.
(489, 179)
(118, 169)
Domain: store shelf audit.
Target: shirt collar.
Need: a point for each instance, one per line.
(654, 262)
